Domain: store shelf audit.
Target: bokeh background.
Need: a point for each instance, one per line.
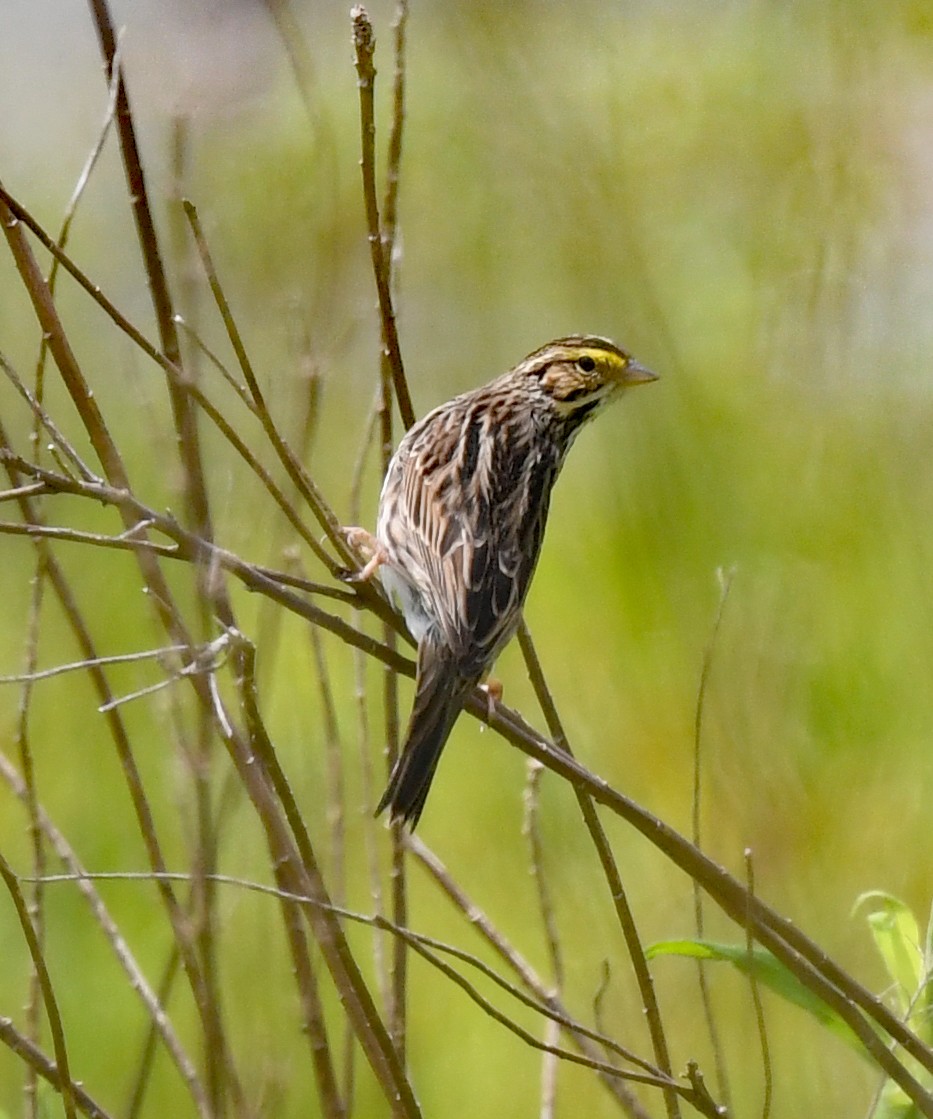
(738, 192)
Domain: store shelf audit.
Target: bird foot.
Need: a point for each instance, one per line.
(368, 547)
(493, 690)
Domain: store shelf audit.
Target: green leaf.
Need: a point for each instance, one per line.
(766, 970)
(897, 938)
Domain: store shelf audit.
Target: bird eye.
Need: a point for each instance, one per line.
(586, 364)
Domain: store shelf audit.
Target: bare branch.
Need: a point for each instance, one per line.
(364, 43)
(610, 870)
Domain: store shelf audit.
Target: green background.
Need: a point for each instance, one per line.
(737, 192)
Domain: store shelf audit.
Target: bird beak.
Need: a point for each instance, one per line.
(637, 374)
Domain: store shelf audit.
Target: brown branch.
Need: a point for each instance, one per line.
(519, 965)
(804, 958)
(34, 1057)
(298, 476)
(18, 212)
(297, 870)
(137, 980)
(756, 999)
(364, 44)
(45, 986)
(185, 416)
(192, 549)
(610, 870)
(722, 1078)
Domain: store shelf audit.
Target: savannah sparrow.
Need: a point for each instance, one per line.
(461, 520)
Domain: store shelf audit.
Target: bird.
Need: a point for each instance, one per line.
(460, 524)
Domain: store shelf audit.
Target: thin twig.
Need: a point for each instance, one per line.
(31, 801)
(41, 417)
(27, 1051)
(78, 874)
(82, 665)
(183, 410)
(47, 315)
(786, 941)
(610, 870)
(390, 373)
(526, 974)
(296, 865)
(296, 472)
(551, 934)
(719, 1061)
(756, 997)
(45, 986)
(364, 43)
(543, 1003)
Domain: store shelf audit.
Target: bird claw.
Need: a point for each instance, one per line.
(493, 690)
(373, 553)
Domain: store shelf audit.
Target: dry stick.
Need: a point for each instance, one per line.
(118, 733)
(297, 870)
(398, 1005)
(364, 44)
(610, 871)
(20, 213)
(315, 1026)
(269, 620)
(347, 978)
(33, 489)
(546, 1005)
(201, 903)
(333, 752)
(394, 157)
(354, 509)
(64, 452)
(140, 1083)
(392, 378)
(722, 1076)
(35, 606)
(191, 549)
(530, 1039)
(183, 410)
(27, 1051)
(525, 972)
(297, 475)
(39, 531)
(158, 588)
(80, 666)
(296, 49)
(72, 207)
(634, 1107)
(202, 347)
(551, 933)
(153, 1003)
(756, 996)
(31, 802)
(804, 958)
(45, 986)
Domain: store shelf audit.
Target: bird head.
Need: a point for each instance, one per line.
(580, 373)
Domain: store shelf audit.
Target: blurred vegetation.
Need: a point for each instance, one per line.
(739, 193)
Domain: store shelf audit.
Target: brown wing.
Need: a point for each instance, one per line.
(473, 488)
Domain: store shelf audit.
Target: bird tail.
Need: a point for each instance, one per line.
(440, 692)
